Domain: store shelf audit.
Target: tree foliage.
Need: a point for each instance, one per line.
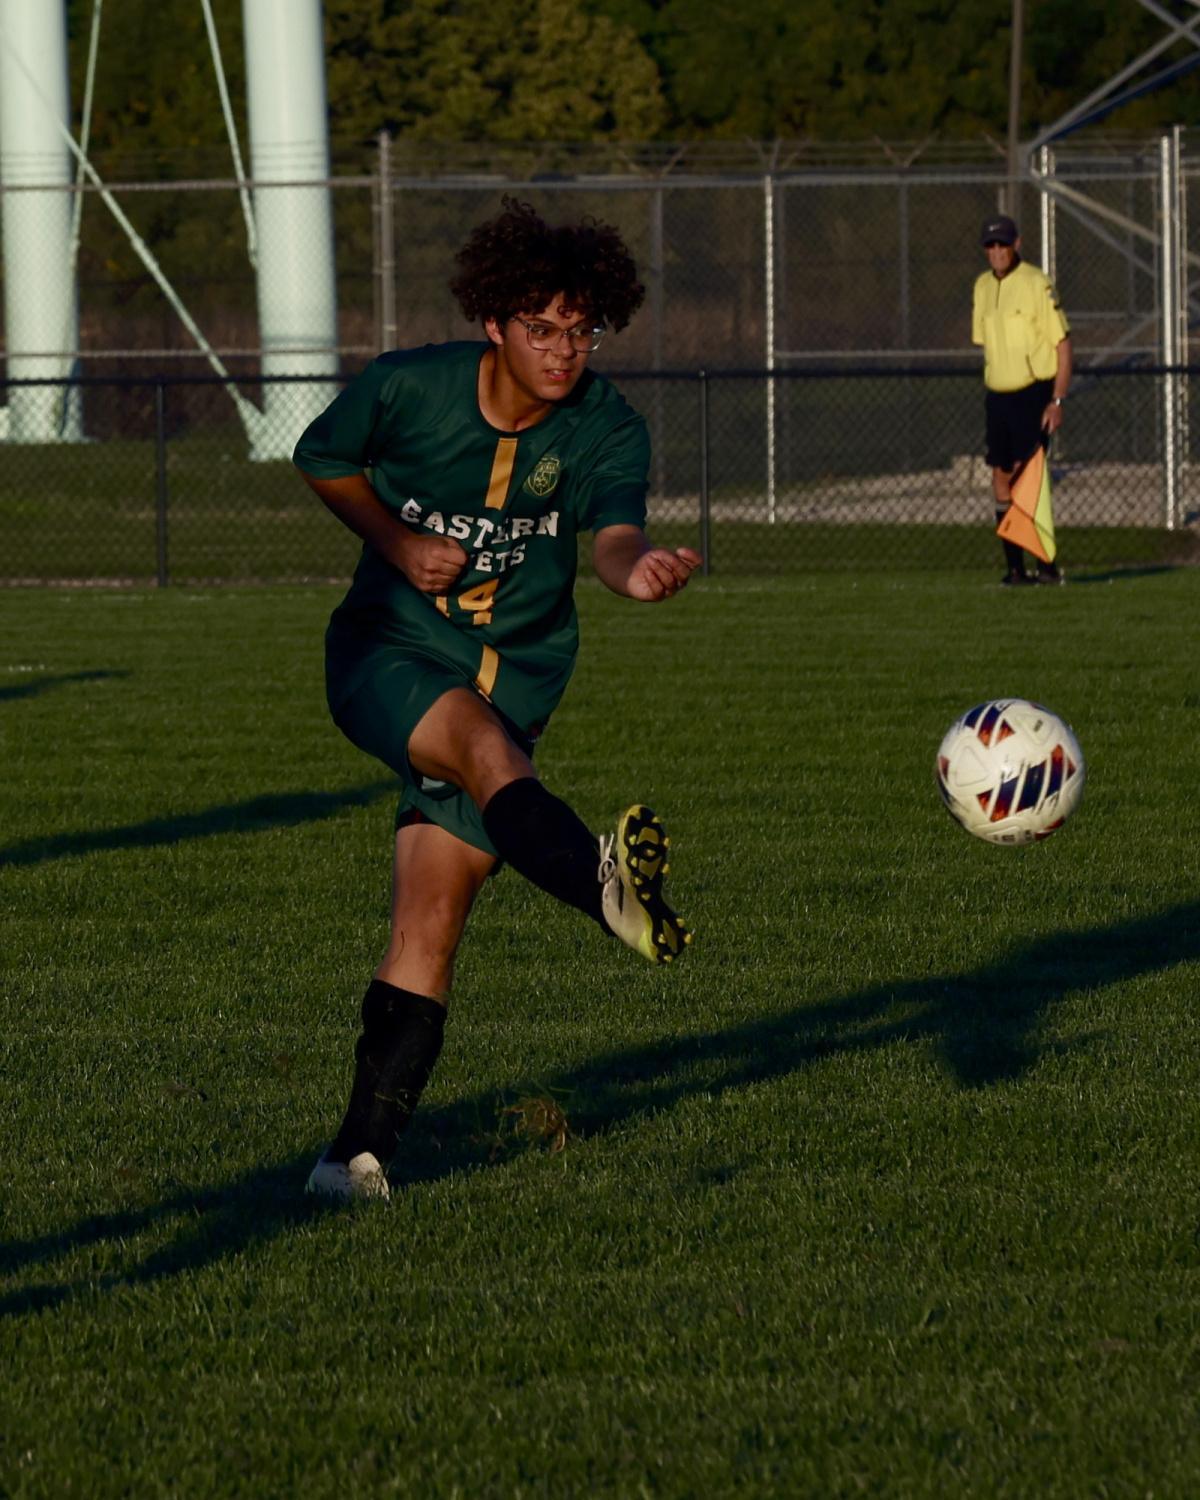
(155, 92)
(899, 69)
(473, 70)
(593, 70)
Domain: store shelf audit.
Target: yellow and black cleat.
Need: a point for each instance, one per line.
(632, 868)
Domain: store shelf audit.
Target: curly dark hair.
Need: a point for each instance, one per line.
(516, 262)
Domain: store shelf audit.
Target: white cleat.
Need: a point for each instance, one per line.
(361, 1177)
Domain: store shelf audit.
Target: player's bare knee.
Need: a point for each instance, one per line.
(430, 936)
(493, 761)
(461, 740)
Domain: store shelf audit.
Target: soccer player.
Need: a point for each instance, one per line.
(468, 470)
(1017, 317)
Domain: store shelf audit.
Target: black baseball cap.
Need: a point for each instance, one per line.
(1000, 231)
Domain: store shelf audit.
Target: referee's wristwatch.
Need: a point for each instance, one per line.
(1057, 400)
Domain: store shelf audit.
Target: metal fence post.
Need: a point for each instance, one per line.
(1048, 215)
(656, 280)
(769, 329)
(1181, 260)
(902, 214)
(705, 516)
(160, 476)
(1169, 332)
(388, 334)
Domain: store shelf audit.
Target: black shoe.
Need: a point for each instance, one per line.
(1015, 577)
(1050, 574)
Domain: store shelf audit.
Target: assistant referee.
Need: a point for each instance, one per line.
(1026, 340)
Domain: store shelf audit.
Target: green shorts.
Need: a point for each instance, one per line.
(379, 715)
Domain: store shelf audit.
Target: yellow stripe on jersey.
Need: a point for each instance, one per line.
(489, 665)
(502, 468)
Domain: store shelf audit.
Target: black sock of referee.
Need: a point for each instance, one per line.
(400, 1042)
(1013, 555)
(541, 838)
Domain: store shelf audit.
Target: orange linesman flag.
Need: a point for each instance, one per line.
(1029, 520)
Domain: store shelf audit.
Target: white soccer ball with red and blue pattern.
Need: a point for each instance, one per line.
(1010, 771)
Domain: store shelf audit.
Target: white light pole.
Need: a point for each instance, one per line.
(289, 145)
(41, 307)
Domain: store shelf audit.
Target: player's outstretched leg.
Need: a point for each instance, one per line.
(543, 839)
(461, 740)
(633, 863)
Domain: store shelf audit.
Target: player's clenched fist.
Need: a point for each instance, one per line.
(430, 563)
(659, 573)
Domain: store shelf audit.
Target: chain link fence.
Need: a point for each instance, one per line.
(802, 357)
(752, 257)
(872, 468)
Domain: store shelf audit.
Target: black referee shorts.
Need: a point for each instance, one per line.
(1014, 424)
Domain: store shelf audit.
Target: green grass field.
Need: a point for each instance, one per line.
(889, 1188)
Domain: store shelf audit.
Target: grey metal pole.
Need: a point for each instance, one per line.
(1181, 321)
(1049, 228)
(905, 252)
(1014, 106)
(769, 320)
(783, 416)
(1169, 327)
(389, 334)
(160, 483)
(705, 509)
(657, 313)
(905, 255)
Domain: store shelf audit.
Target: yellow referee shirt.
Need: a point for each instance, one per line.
(1019, 321)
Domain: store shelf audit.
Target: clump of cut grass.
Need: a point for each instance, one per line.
(534, 1120)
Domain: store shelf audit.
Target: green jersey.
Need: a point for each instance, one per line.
(515, 503)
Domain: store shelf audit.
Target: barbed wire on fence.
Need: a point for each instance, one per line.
(872, 247)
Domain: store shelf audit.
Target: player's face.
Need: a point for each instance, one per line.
(1002, 258)
(547, 374)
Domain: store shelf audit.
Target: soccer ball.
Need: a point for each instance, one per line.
(1010, 771)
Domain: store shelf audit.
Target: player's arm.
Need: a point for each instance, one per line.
(627, 562)
(332, 454)
(624, 557)
(1053, 415)
(430, 563)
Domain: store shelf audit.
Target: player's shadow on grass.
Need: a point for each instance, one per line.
(213, 1223)
(982, 1022)
(256, 815)
(32, 687)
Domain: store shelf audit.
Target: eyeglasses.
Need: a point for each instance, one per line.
(997, 245)
(546, 336)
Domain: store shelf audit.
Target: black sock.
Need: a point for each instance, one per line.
(538, 834)
(1013, 555)
(400, 1042)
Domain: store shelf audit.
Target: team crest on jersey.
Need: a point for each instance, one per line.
(544, 478)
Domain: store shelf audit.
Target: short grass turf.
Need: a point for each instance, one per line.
(888, 1188)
